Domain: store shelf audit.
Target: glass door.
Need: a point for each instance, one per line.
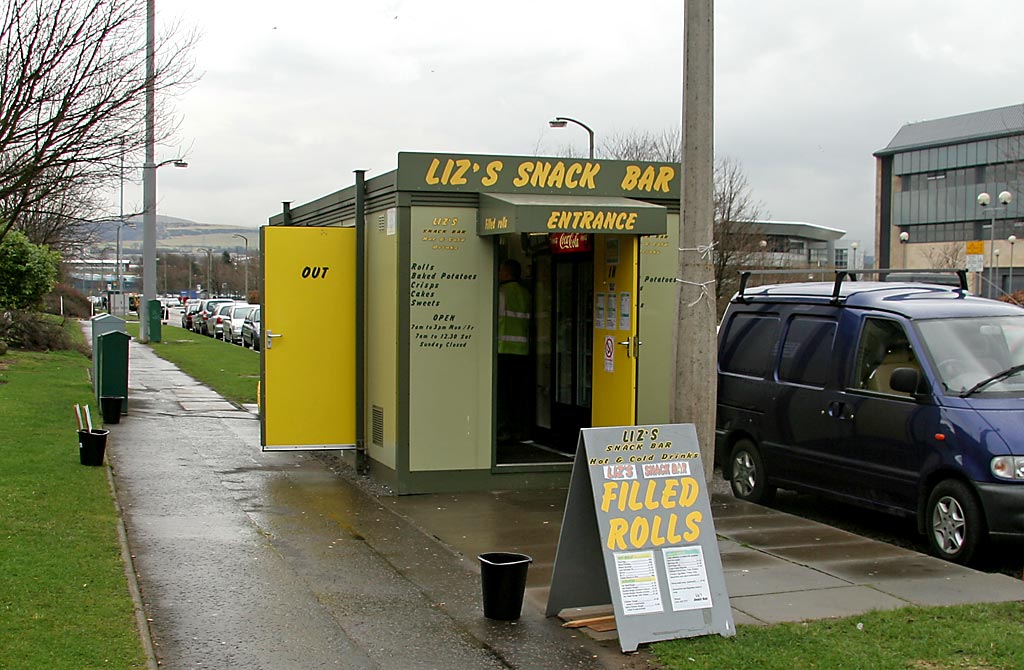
(572, 352)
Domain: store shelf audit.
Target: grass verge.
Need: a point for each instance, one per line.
(64, 601)
(230, 370)
(964, 637)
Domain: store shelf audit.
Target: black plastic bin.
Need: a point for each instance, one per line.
(503, 578)
(110, 407)
(91, 445)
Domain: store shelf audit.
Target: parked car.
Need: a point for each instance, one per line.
(192, 307)
(218, 318)
(251, 329)
(905, 398)
(207, 307)
(233, 324)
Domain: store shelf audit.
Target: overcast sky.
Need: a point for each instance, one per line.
(296, 95)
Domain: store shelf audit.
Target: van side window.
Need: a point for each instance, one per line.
(807, 351)
(883, 348)
(750, 344)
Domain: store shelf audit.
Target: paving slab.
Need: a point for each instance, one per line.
(896, 568)
(782, 578)
(957, 590)
(817, 535)
(846, 551)
(815, 604)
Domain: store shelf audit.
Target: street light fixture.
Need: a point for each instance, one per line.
(854, 246)
(904, 237)
(561, 121)
(246, 262)
(149, 169)
(984, 200)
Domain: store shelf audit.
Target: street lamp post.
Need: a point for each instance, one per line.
(853, 247)
(149, 169)
(984, 200)
(904, 238)
(120, 280)
(1011, 239)
(209, 270)
(560, 121)
(246, 262)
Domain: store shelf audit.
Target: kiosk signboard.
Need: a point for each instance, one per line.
(638, 532)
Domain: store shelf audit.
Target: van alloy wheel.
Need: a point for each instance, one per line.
(956, 524)
(748, 475)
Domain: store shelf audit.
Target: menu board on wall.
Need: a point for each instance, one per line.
(451, 316)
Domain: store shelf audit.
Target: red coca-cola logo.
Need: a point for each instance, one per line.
(569, 243)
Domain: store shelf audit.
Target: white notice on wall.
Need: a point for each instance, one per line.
(599, 312)
(638, 582)
(611, 315)
(687, 578)
(625, 311)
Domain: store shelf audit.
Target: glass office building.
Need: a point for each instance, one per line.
(928, 181)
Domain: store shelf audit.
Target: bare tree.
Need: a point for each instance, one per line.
(950, 255)
(643, 145)
(72, 99)
(737, 238)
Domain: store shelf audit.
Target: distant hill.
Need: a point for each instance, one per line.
(173, 234)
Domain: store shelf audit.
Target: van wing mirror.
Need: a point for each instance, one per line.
(905, 380)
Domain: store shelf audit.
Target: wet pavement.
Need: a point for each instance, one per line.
(280, 560)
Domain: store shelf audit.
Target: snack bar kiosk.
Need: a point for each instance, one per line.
(380, 319)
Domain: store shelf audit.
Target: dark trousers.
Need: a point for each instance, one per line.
(514, 397)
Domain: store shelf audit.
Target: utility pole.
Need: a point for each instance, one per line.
(149, 179)
(696, 384)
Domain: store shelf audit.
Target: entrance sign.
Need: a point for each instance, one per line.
(638, 532)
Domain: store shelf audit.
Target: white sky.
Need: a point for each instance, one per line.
(296, 95)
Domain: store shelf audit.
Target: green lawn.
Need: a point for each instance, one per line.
(230, 370)
(64, 600)
(967, 637)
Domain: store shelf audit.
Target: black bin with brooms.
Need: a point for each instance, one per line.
(91, 445)
(503, 578)
(92, 442)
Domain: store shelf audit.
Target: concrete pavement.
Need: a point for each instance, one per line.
(280, 560)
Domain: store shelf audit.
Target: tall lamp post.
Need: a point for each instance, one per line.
(561, 121)
(120, 279)
(209, 270)
(984, 200)
(904, 238)
(149, 169)
(246, 262)
(853, 247)
(1011, 239)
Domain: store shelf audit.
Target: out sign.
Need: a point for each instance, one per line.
(315, 272)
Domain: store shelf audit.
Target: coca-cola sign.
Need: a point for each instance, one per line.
(569, 243)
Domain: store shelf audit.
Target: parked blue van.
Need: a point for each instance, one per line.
(901, 397)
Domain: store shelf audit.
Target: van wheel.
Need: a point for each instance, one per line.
(748, 474)
(956, 526)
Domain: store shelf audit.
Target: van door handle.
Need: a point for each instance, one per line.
(270, 336)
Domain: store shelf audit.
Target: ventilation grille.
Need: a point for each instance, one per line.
(382, 227)
(378, 426)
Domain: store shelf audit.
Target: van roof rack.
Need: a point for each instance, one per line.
(841, 275)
